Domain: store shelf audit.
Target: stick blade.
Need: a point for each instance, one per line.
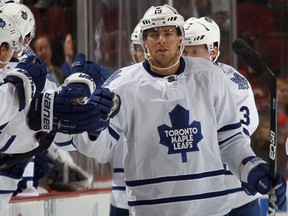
(245, 51)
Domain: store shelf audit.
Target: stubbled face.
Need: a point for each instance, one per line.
(163, 45)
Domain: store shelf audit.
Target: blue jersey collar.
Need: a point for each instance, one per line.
(146, 66)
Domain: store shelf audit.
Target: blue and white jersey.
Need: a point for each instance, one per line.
(118, 193)
(14, 129)
(179, 130)
(28, 52)
(15, 134)
(244, 98)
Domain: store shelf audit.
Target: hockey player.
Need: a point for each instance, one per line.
(136, 49)
(202, 39)
(119, 205)
(24, 20)
(180, 123)
(29, 74)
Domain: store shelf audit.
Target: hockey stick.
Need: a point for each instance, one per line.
(243, 49)
(9, 160)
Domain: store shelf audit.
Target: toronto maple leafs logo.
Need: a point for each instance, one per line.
(208, 19)
(182, 137)
(2, 23)
(24, 15)
(240, 81)
(158, 11)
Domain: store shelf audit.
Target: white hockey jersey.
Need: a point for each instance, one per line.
(180, 129)
(118, 193)
(15, 134)
(244, 98)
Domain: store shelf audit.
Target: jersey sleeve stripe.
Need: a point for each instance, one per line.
(230, 127)
(221, 142)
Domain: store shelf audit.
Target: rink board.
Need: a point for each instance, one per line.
(88, 203)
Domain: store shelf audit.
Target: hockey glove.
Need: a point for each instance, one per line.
(84, 77)
(29, 77)
(57, 111)
(80, 65)
(255, 178)
(107, 102)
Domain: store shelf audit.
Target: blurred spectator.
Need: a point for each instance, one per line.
(43, 49)
(282, 96)
(69, 55)
(261, 95)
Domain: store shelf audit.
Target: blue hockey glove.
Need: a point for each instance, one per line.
(107, 102)
(29, 77)
(255, 178)
(44, 164)
(80, 65)
(57, 111)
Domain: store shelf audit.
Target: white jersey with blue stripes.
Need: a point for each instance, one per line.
(244, 98)
(15, 134)
(179, 131)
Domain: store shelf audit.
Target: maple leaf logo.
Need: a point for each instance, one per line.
(182, 137)
(240, 81)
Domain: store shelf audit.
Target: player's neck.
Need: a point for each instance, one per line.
(165, 70)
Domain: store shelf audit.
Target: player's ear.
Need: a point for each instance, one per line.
(145, 44)
(180, 40)
(214, 52)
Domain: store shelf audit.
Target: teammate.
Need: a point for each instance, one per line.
(136, 49)
(24, 20)
(180, 124)
(15, 108)
(51, 163)
(119, 205)
(202, 39)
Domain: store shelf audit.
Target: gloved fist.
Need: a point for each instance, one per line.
(80, 65)
(56, 111)
(255, 178)
(29, 77)
(107, 102)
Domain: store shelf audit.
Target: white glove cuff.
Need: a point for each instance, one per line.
(28, 84)
(246, 168)
(81, 78)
